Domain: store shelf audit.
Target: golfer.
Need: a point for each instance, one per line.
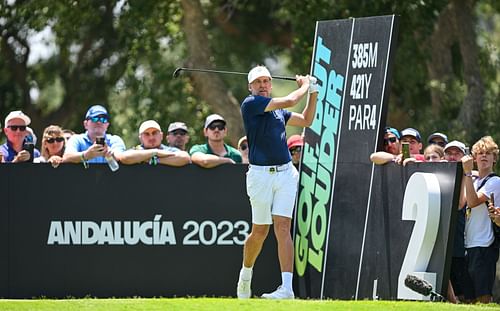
(272, 179)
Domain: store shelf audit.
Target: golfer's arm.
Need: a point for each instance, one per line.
(288, 101)
(305, 119)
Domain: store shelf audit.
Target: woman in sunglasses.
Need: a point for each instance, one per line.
(53, 145)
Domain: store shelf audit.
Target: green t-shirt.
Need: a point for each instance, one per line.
(231, 152)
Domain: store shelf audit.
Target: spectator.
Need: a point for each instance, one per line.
(459, 276)
(12, 151)
(392, 148)
(295, 143)
(53, 145)
(434, 153)
(215, 152)
(481, 255)
(438, 139)
(178, 135)
(67, 134)
(454, 151)
(83, 147)
(412, 136)
(243, 149)
(151, 150)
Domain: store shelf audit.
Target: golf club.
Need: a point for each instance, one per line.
(178, 71)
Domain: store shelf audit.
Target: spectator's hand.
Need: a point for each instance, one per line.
(399, 159)
(55, 161)
(96, 150)
(494, 213)
(160, 153)
(409, 160)
(22, 156)
(467, 163)
(227, 160)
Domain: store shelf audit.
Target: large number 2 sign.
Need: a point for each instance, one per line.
(421, 203)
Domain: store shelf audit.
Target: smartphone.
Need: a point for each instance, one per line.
(29, 146)
(467, 151)
(100, 140)
(406, 150)
(492, 198)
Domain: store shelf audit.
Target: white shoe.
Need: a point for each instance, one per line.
(280, 293)
(243, 290)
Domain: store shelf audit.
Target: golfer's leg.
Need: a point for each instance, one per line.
(253, 244)
(285, 244)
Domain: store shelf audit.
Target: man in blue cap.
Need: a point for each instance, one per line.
(84, 148)
(392, 147)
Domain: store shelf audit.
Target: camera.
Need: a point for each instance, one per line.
(100, 140)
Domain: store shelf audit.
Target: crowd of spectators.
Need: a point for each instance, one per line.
(96, 144)
(475, 249)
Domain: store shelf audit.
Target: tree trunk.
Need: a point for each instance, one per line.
(209, 87)
(474, 100)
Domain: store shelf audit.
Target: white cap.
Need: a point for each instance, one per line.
(148, 125)
(17, 114)
(259, 71)
(213, 117)
(456, 144)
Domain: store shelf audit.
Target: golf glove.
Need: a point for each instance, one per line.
(313, 85)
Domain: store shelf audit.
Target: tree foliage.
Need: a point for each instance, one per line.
(122, 53)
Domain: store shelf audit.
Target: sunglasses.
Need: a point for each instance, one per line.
(98, 119)
(53, 140)
(439, 143)
(220, 126)
(392, 140)
(243, 146)
(178, 132)
(17, 127)
(296, 150)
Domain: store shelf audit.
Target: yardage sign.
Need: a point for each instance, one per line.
(351, 61)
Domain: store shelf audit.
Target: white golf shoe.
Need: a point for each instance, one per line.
(280, 293)
(243, 290)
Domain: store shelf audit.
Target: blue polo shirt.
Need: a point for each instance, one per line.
(82, 142)
(9, 153)
(265, 131)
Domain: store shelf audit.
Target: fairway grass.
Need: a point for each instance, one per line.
(216, 304)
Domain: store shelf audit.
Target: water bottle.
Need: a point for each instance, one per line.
(112, 163)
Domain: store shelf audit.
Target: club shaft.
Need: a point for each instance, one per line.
(230, 72)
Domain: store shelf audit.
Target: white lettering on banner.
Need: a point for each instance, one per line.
(362, 113)
(148, 232)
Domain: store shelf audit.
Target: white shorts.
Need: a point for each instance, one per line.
(272, 191)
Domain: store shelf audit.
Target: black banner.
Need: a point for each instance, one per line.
(141, 231)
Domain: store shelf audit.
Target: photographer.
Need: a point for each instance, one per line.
(16, 150)
(86, 147)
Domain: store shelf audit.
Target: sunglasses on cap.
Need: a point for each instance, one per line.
(391, 140)
(17, 127)
(54, 139)
(220, 126)
(98, 119)
(243, 146)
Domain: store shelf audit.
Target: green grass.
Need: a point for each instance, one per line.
(216, 304)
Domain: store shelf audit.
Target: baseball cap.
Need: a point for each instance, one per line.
(258, 71)
(213, 117)
(17, 114)
(294, 141)
(177, 126)
(148, 125)
(411, 132)
(393, 131)
(242, 139)
(95, 111)
(457, 144)
(437, 134)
